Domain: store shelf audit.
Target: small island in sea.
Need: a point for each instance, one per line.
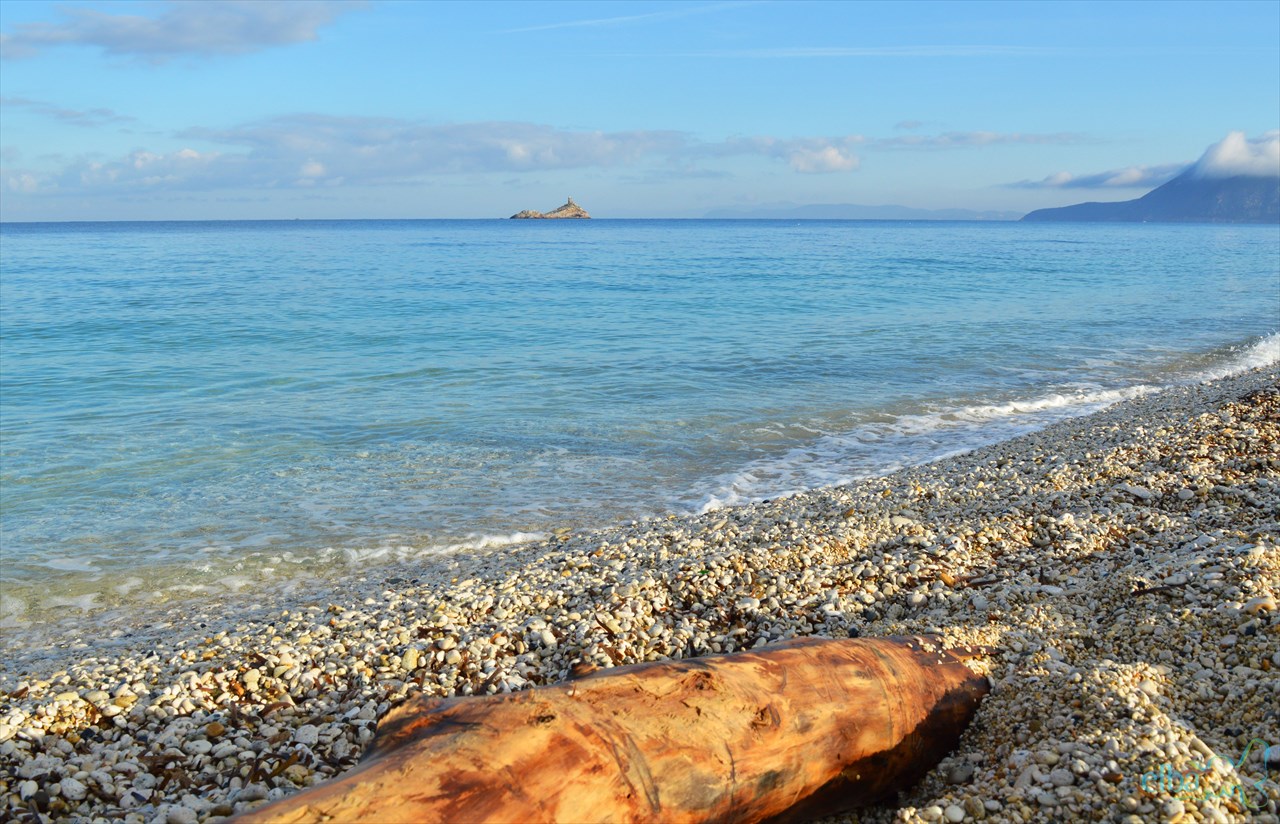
(568, 210)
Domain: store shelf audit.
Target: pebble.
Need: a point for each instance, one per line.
(1255, 605)
(960, 774)
(307, 734)
(1140, 492)
(71, 789)
(181, 815)
(197, 746)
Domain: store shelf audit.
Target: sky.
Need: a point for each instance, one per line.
(399, 109)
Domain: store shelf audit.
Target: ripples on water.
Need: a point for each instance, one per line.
(186, 403)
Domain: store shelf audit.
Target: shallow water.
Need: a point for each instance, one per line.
(212, 404)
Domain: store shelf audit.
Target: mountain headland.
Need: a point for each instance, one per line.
(568, 210)
(1188, 198)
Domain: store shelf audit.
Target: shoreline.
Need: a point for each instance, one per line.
(32, 614)
(1039, 546)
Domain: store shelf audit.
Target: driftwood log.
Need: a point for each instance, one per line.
(800, 729)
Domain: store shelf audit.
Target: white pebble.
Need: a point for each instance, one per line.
(307, 734)
(1255, 605)
(72, 789)
(181, 815)
(198, 746)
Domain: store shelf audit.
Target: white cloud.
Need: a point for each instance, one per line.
(383, 149)
(1235, 155)
(87, 118)
(826, 159)
(207, 28)
(140, 170)
(23, 182)
(319, 150)
(808, 155)
(1131, 177)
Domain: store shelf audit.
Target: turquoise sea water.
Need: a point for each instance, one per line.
(197, 406)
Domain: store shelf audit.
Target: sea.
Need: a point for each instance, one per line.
(193, 409)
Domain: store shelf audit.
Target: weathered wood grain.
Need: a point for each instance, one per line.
(787, 732)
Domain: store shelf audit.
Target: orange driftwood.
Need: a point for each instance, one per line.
(800, 729)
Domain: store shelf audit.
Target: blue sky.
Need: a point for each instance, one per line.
(216, 110)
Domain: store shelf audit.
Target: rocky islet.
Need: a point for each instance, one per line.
(568, 210)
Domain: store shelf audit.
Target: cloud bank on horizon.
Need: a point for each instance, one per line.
(323, 150)
(304, 151)
(1234, 156)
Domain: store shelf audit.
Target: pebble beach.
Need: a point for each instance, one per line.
(1122, 570)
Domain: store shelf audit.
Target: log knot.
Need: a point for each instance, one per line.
(766, 716)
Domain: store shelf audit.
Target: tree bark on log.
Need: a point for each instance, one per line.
(800, 729)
